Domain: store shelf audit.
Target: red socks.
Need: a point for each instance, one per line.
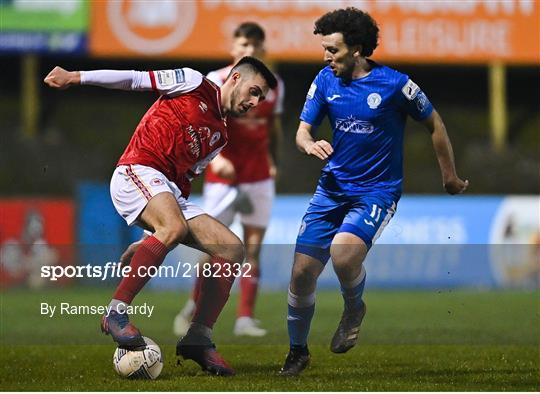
(213, 295)
(151, 252)
(196, 288)
(248, 293)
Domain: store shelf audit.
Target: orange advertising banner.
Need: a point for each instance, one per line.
(427, 31)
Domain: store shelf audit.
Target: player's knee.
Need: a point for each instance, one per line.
(346, 255)
(237, 252)
(252, 253)
(232, 250)
(303, 276)
(173, 233)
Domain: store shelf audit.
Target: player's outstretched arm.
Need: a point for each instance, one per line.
(111, 79)
(445, 155)
(306, 144)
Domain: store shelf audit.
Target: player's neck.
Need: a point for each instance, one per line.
(225, 98)
(362, 68)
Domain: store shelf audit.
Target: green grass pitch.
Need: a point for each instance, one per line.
(420, 341)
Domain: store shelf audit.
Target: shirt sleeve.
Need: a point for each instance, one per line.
(175, 82)
(315, 107)
(117, 79)
(215, 77)
(412, 100)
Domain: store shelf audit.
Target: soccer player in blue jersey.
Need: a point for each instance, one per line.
(357, 194)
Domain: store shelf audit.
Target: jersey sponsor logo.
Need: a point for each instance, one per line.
(215, 138)
(194, 145)
(355, 126)
(333, 97)
(203, 107)
(373, 100)
(410, 90)
(311, 91)
(204, 133)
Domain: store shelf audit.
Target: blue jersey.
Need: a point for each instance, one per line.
(368, 118)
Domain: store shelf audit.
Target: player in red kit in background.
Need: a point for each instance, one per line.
(240, 180)
(174, 141)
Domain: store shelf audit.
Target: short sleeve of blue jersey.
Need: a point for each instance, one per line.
(315, 106)
(410, 98)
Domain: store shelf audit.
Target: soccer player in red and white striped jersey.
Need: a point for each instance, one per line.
(177, 137)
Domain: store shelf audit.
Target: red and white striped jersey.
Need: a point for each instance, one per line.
(182, 131)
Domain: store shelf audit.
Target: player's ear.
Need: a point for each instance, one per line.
(357, 51)
(236, 77)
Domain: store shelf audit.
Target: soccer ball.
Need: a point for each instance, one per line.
(146, 363)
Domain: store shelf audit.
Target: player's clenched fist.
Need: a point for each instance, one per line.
(322, 149)
(61, 79)
(455, 185)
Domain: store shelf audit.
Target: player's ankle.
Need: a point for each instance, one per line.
(301, 349)
(200, 330)
(118, 306)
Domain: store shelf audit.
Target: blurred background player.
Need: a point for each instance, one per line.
(174, 141)
(357, 194)
(240, 180)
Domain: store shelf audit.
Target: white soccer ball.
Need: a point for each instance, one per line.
(146, 363)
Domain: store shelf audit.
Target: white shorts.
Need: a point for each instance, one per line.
(132, 186)
(222, 202)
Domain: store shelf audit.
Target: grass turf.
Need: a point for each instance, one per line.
(419, 341)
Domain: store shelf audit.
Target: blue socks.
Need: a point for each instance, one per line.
(352, 292)
(300, 313)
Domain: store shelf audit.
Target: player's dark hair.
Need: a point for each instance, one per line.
(258, 67)
(250, 30)
(357, 27)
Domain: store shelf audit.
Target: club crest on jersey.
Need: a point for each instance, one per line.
(203, 107)
(355, 126)
(373, 100)
(215, 138)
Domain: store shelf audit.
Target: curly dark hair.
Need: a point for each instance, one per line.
(357, 27)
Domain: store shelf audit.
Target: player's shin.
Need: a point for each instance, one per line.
(150, 253)
(213, 295)
(352, 291)
(249, 284)
(299, 316)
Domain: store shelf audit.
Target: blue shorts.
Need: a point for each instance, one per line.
(364, 214)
